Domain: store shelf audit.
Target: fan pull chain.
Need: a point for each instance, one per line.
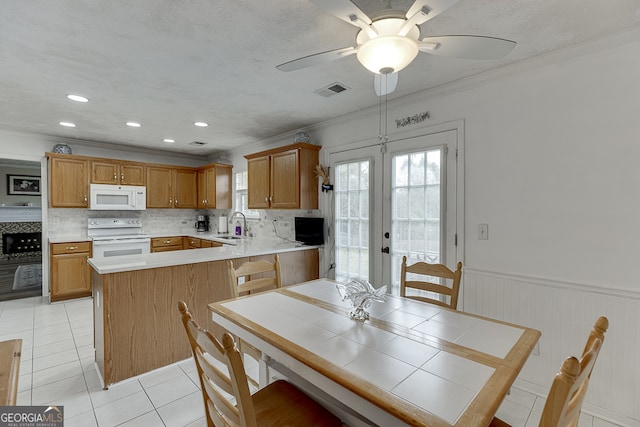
(383, 137)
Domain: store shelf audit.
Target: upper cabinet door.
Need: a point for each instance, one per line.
(258, 182)
(115, 172)
(185, 188)
(285, 180)
(214, 187)
(104, 172)
(223, 187)
(159, 191)
(131, 173)
(68, 183)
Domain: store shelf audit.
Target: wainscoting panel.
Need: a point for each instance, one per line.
(565, 313)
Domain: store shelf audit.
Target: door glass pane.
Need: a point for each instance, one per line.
(352, 220)
(416, 225)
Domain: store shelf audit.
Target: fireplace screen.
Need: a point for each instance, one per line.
(15, 243)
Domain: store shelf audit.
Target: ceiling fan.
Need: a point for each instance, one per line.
(389, 41)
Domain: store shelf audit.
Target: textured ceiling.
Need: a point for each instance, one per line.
(168, 63)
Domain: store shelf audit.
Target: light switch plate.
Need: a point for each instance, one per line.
(483, 232)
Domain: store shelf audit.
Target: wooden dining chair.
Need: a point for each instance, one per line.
(252, 284)
(243, 280)
(432, 270)
(564, 401)
(278, 404)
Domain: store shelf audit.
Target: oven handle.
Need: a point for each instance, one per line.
(120, 241)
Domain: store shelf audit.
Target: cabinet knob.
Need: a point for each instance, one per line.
(176, 202)
(85, 199)
(122, 177)
(115, 177)
(70, 248)
(167, 241)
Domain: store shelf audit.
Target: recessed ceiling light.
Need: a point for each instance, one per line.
(201, 124)
(78, 98)
(67, 124)
(134, 124)
(169, 140)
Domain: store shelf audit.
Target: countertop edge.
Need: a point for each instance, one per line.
(187, 256)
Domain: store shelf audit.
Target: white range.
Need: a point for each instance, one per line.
(117, 237)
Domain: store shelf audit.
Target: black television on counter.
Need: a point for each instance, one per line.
(309, 230)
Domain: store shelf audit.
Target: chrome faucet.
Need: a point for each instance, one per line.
(244, 221)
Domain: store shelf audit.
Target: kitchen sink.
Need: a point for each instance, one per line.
(225, 238)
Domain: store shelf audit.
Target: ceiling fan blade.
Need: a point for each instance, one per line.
(467, 47)
(343, 9)
(384, 84)
(317, 58)
(433, 9)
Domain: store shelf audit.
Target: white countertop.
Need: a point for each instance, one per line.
(249, 247)
(68, 239)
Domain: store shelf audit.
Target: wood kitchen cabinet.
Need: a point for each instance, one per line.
(209, 244)
(70, 271)
(166, 244)
(177, 243)
(191, 243)
(214, 187)
(126, 300)
(169, 187)
(283, 178)
(68, 181)
(105, 171)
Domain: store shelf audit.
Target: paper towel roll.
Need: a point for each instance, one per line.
(223, 224)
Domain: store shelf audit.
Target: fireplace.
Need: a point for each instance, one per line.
(19, 243)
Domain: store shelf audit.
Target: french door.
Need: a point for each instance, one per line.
(394, 201)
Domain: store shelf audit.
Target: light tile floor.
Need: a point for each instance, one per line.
(57, 368)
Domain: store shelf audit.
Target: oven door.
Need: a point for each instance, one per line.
(121, 247)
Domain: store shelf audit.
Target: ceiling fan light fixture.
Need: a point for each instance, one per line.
(387, 54)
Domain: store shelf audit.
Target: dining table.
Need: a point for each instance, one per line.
(411, 363)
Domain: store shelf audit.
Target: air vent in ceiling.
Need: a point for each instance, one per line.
(198, 143)
(333, 89)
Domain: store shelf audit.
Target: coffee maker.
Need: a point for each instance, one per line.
(202, 223)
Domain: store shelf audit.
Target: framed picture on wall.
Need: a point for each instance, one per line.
(23, 185)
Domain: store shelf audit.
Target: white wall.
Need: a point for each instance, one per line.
(17, 199)
(552, 149)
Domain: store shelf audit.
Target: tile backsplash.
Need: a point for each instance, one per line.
(72, 223)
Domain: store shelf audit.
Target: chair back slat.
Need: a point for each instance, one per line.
(257, 285)
(428, 287)
(214, 386)
(431, 271)
(220, 387)
(569, 387)
(268, 276)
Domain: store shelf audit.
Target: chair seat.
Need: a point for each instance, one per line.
(497, 422)
(282, 404)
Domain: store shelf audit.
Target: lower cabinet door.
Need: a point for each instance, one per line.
(70, 276)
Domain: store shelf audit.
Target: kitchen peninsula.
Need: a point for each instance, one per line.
(136, 323)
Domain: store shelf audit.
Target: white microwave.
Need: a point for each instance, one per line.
(107, 197)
